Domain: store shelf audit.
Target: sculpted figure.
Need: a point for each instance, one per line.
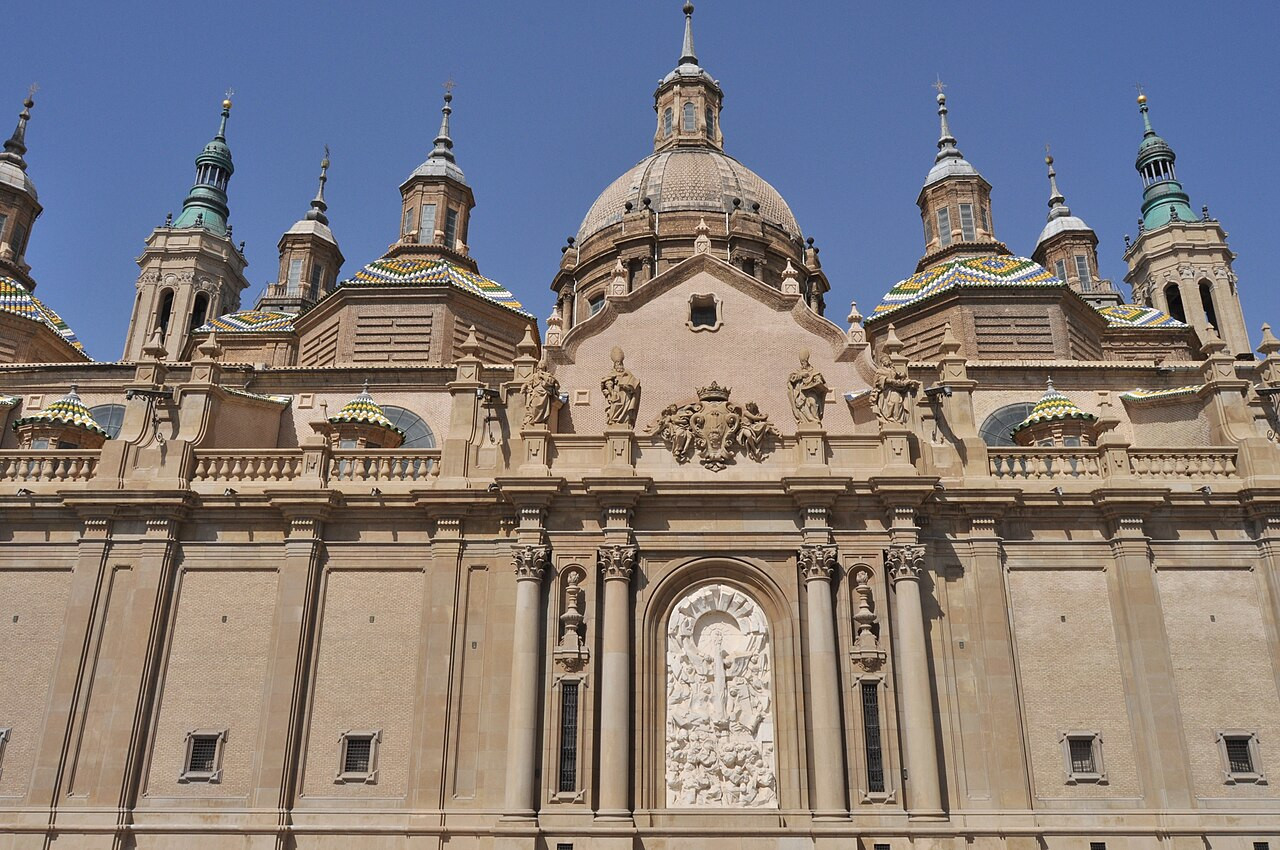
(808, 392)
(893, 391)
(540, 392)
(714, 427)
(755, 427)
(621, 392)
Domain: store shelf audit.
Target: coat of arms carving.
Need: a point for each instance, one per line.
(715, 428)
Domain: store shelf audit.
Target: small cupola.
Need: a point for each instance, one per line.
(436, 201)
(1056, 421)
(206, 204)
(309, 257)
(64, 424)
(1068, 247)
(1163, 198)
(688, 101)
(362, 424)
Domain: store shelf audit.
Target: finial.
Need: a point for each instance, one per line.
(365, 389)
(687, 55)
(443, 142)
(1147, 129)
(318, 205)
(1057, 203)
(946, 142)
(226, 111)
(1048, 384)
(16, 146)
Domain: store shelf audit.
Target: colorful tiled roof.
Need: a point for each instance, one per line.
(1138, 316)
(278, 399)
(1002, 271)
(14, 298)
(418, 270)
(68, 410)
(1052, 406)
(1140, 395)
(9, 400)
(250, 321)
(363, 410)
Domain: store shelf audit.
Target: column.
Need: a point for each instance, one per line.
(617, 563)
(826, 746)
(530, 564)
(923, 791)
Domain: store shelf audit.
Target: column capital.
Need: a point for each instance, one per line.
(904, 563)
(817, 561)
(617, 562)
(530, 562)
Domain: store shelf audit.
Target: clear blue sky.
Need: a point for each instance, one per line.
(829, 101)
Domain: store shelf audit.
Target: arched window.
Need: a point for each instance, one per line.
(690, 121)
(417, 434)
(995, 431)
(711, 123)
(165, 311)
(667, 119)
(1206, 301)
(199, 311)
(1173, 298)
(110, 417)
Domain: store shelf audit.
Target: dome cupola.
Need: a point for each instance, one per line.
(1163, 198)
(206, 203)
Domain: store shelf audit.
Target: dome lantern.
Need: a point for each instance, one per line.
(688, 101)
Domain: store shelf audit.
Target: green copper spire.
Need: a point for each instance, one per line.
(206, 203)
(1163, 198)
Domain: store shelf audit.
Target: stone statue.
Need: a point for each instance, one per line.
(893, 391)
(808, 392)
(720, 739)
(755, 427)
(541, 389)
(621, 392)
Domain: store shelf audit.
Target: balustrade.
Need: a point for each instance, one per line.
(51, 465)
(1184, 463)
(247, 465)
(1033, 462)
(372, 466)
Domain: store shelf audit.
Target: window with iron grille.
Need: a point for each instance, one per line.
(881, 847)
(1241, 757)
(1097, 845)
(358, 756)
(871, 737)
(203, 762)
(1082, 754)
(1261, 845)
(568, 779)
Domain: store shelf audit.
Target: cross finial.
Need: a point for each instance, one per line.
(939, 85)
(31, 92)
(230, 93)
(448, 86)
(1139, 87)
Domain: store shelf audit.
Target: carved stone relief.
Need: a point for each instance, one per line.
(720, 732)
(714, 427)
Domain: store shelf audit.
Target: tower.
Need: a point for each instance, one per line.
(955, 203)
(436, 201)
(191, 269)
(309, 257)
(1069, 248)
(1180, 263)
(688, 101)
(19, 206)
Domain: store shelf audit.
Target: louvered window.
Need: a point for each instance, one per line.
(944, 226)
(966, 223)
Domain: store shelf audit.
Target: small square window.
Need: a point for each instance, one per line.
(1097, 845)
(1082, 752)
(1261, 845)
(4, 734)
(204, 756)
(704, 313)
(358, 756)
(1241, 757)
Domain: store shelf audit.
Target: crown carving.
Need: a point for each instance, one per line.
(715, 392)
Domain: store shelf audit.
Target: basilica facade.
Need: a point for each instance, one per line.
(383, 561)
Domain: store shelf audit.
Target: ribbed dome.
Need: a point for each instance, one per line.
(689, 179)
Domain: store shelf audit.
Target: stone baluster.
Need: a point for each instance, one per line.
(617, 564)
(924, 793)
(530, 563)
(828, 798)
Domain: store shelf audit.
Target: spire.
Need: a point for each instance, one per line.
(441, 162)
(687, 54)
(206, 204)
(1057, 203)
(318, 206)
(946, 142)
(444, 144)
(1163, 198)
(16, 147)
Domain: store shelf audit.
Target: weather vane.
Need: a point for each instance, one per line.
(939, 85)
(31, 92)
(230, 93)
(448, 86)
(1139, 87)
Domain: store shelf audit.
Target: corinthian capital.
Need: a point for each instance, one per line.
(817, 561)
(617, 561)
(530, 562)
(904, 562)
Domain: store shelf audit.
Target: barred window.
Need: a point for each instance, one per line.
(1241, 757)
(1082, 755)
(871, 737)
(568, 780)
(203, 762)
(358, 756)
(1097, 845)
(1082, 752)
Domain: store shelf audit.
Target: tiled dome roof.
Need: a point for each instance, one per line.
(14, 298)
(418, 270)
(1138, 316)
(684, 179)
(68, 410)
(363, 410)
(999, 271)
(1051, 407)
(250, 321)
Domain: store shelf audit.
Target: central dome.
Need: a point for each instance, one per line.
(698, 179)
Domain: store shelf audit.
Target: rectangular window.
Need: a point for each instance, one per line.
(203, 762)
(1060, 269)
(966, 223)
(1082, 271)
(928, 230)
(4, 219)
(596, 304)
(358, 756)
(451, 229)
(986, 219)
(568, 780)
(1083, 754)
(881, 846)
(871, 736)
(1097, 845)
(1261, 845)
(564, 847)
(427, 224)
(944, 226)
(317, 276)
(1242, 760)
(407, 225)
(295, 276)
(19, 244)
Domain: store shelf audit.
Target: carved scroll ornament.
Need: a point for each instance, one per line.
(715, 428)
(530, 562)
(904, 562)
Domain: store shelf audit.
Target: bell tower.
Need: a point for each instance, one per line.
(436, 202)
(191, 268)
(1068, 247)
(1180, 262)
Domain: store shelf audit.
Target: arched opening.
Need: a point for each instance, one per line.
(1206, 301)
(199, 311)
(1173, 301)
(417, 433)
(689, 122)
(164, 312)
(109, 417)
(996, 429)
(667, 122)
